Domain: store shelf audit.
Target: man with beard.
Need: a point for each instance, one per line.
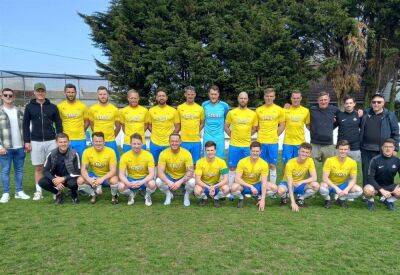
(163, 121)
(134, 118)
(74, 119)
(215, 112)
(104, 117)
(191, 116)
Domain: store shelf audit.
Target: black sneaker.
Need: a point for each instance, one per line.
(284, 201)
(328, 204)
(114, 199)
(240, 203)
(202, 202)
(75, 200)
(371, 205)
(390, 205)
(300, 203)
(342, 203)
(216, 204)
(59, 198)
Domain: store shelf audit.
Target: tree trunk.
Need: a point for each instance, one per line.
(393, 91)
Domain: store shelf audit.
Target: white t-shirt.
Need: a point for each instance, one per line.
(15, 133)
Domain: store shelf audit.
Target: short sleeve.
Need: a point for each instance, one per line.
(113, 158)
(199, 169)
(85, 112)
(162, 160)
(255, 120)
(122, 163)
(240, 167)
(85, 158)
(176, 117)
(147, 116)
(90, 114)
(353, 170)
(327, 166)
(121, 116)
(229, 118)
(202, 114)
(224, 168)
(151, 163)
(307, 119)
(264, 171)
(281, 117)
(188, 160)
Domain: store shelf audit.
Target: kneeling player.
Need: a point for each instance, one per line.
(211, 176)
(339, 176)
(299, 178)
(102, 163)
(382, 170)
(175, 170)
(136, 171)
(251, 178)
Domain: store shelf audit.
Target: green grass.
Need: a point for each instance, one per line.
(39, 237)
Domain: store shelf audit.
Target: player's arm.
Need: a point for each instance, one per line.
(313, 177)
(201, 126)
(177, 127)
(186, 177)
(199, 182)
(85, 174)
(150, 176)
(293, 203)
(161, 174)
(149, 127)
(109, 175)
(281, 127)
(261, 202)
(254, 130)
(325, 178)
(352, 181)
(86, 123)
(91, 123)
(122, 176)
(223, 181)
(227, 129)
(239, 180)
(117, 128)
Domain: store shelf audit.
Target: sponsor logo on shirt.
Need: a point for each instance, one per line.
(135, 118)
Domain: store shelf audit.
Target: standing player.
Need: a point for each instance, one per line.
(99, 167)
(382, 171)
(134, 119)
(300, 178)
(271, 123)
(339, 176)
(296, 117)
(251, 178)
(211, 176)
(175, 169)
(136, 171)
(192, 121)
(74, 117)
(104, 118)
(241, 124)
(215, 112)
(163, 121)
(40, 139)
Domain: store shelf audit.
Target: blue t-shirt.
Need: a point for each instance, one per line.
(215, 115)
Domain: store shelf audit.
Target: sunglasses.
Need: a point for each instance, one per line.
(377, 102)
(8, 95)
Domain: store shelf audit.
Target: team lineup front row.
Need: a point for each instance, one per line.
(209, 178)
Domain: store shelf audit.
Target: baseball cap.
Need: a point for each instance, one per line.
(39, 86)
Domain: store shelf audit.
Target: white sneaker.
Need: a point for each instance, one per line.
(131, 199)
(37, 196)
(5, 198)
(169, 196)
(99, 190)
(147, 200)
(21, 195)
(186, 199)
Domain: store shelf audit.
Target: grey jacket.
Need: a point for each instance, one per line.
(5, 128)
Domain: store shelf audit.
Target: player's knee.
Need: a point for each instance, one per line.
(272, 187)
(151, 184)
(159, 182)
(369, 190)
(356, 189)
(314, 186)
(225, 189)
(235, 187)
(121, 187)
(324, 185)
(396, 192)
(281, 191)
(198, 190)
(80, 181)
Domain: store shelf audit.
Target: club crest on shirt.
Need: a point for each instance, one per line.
(394, 166)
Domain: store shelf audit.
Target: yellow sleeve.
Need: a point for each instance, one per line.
(228, 118)
(281, 117)
(90, 114)
(113, 158)
(255, 120)
(189, 160)
(239, 168)
(147, 117)
(85, 159)
(151, 163)
(198, 171)
(122, 163)
(288, 171)
(308, 117)
(353, 170)
(116, 114)
(176, 117)
(121, 116)
(202, 114)
(162, 160)
(86, 112)
(311, 167)
(327, 166)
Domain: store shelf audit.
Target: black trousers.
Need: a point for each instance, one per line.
(72, 184)
(366, 157)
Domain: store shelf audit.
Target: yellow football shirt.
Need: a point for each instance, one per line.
(211, 172)
(137, 165)
(162, 121)
(269, 118)
(298, 171)
(296, 118)
(339, 172)
(177, 164)
(134, 120)
(73, 117)
(190, 116)
(99, 162)
(241, 122)
(252, 172)
(104, 118)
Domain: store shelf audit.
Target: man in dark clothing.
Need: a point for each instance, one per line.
(61, 169)
(40, 140)
(322, 120)
(348, 123)
(377, 125)
(382, 170)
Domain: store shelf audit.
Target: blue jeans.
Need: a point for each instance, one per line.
(17, 156)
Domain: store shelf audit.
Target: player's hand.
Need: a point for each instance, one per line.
(93, 182)
(254, 190)
(99, 181)
(28, 147)
(60, 186)
(344, 193)
(394, 153)
(3, 151)
(58, 180)
(261, 204)
(136, 184)
(286, 106)
(212, 191)
(385, 193)
(360, 112)
(295, 207)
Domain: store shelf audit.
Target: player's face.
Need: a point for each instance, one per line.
(136, 145)
(349, 105)
(304, 153)
(174, 142)
(343, 151)
(98, 143)
(62, 144)
(161, 98)
(255, 152)
(377, 104)
(70, 94)
(102, 96)
(190, 96)
(8, 97)
(323, 101)
(269, 98)
(296, 99)
(388, 149)
(243, 99)
(40, 94)
(210, 152)
(213, 95)
(133, 99)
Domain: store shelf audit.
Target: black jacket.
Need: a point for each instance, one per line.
(322, 124)
(43, 117)
(64, 165)
(389, 128)
(382, 171)
(349, 128)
